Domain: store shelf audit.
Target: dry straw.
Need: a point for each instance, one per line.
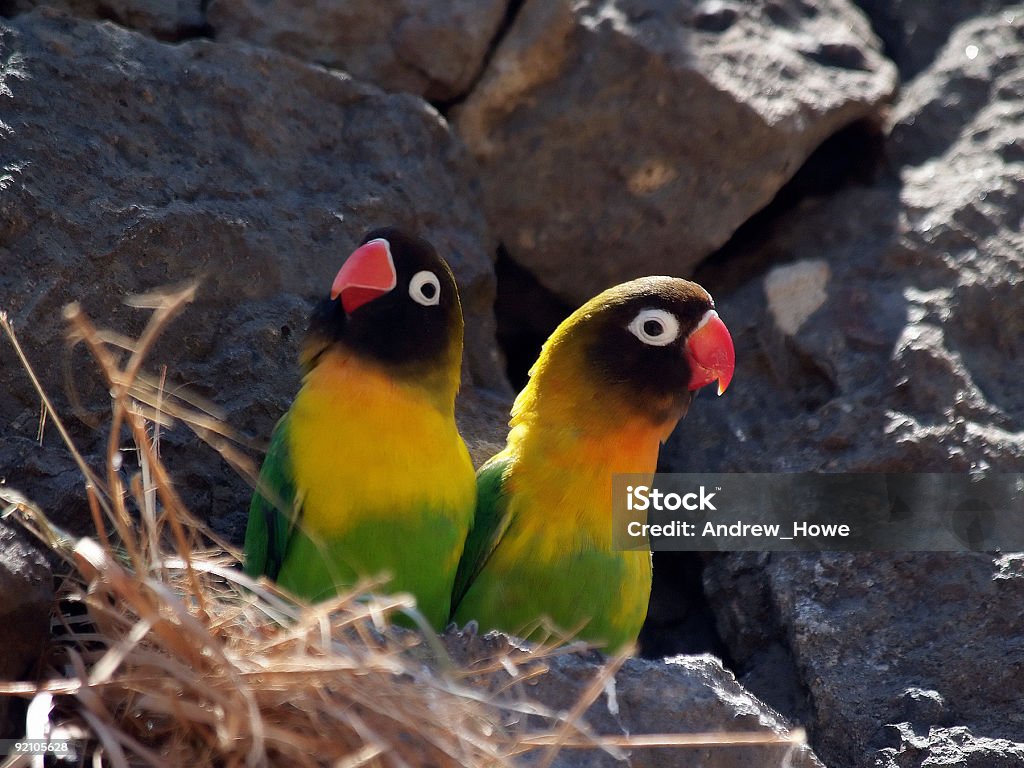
(165, 654)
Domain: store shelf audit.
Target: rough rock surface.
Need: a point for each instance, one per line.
(911, 364)
(620, 139)
(681, 695)
(949, 746)
(878, 325)
(130, 164)
(26, 594)
(432, 49)
(163, 19)
(914, 31)
(26, 598)
(926, 640)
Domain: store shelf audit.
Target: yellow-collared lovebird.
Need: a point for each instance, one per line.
(610, 385)
(366, 473)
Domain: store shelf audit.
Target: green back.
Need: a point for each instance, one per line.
(272, 520)
(276, 545)
(489, 525)
(602, 593)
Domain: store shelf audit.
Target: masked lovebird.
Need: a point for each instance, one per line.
(609, 387)
(366, 473)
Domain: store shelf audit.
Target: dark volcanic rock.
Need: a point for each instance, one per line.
(129, 165)
(926, 639)
(164, 19)
(893, 339)
(879, 329)
(681, 695)
(948, 746)
(971, 95)
(433, 49)
(621, 139)
(915, 30)
(26, 597)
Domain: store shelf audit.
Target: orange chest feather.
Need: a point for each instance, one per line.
(560, 485)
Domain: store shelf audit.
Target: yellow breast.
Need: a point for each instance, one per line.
(364, 444)
(560, 486)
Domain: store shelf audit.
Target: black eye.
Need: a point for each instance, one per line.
(654, 328)
(425, 288)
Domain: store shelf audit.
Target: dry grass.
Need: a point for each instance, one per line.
(165, 654)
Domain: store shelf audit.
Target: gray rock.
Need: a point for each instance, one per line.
(432, 49)
(907, 363)
(26, 598)
(681, 695)
(969, 91)
(482, 416)
(618, 138)
(915, 30)
(163, 19)
(129, 165)
(926, 639)
(948, 746)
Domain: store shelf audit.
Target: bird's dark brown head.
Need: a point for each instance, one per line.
(393, 302)
(646, 345)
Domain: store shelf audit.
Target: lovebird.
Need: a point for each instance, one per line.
(366, 473)
(608, 388)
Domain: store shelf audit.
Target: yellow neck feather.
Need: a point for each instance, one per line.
(364, 444)
(568, 436)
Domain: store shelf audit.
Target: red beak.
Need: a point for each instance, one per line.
(366, 275)
(711, 354)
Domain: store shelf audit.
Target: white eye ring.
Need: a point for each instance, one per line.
(655, 327)
(419, 282)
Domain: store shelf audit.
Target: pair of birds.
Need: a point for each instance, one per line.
(366, 473)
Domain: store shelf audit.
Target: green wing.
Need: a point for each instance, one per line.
(271, 515)
(489, 525)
